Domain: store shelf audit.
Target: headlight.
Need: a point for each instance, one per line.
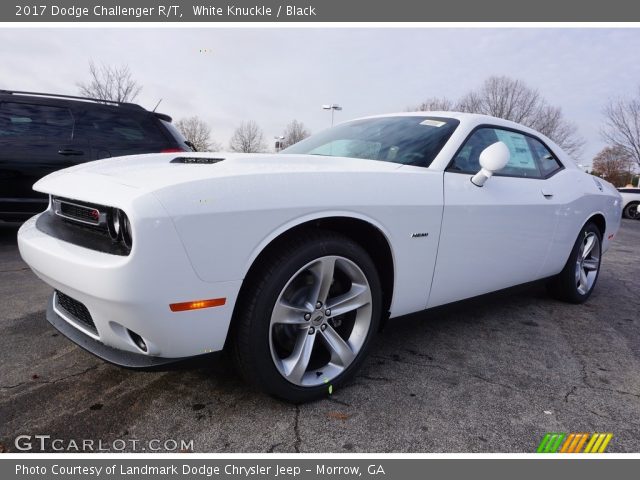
(126, 229)
(113, 224)
(119, 227)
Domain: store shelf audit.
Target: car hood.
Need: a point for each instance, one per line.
(156, 171)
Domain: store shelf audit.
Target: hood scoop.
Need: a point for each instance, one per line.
(197, 160)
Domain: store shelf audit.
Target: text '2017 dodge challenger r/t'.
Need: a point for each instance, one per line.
(291, 260)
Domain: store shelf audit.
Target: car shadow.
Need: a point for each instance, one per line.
(457, 315)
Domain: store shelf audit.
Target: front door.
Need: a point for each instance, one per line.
(497, 235)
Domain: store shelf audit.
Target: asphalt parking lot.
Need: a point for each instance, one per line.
(493, 374)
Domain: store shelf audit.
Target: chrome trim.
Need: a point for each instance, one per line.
(57, 205)
(70, 319)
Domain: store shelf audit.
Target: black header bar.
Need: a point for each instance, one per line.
(320, 11)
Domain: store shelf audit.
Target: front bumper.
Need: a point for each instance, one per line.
(132, 293)
(122, 358)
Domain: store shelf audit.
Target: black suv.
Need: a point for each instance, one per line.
(41, 133)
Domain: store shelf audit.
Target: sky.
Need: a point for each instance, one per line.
(275, 75)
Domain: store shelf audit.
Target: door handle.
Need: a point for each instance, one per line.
(546, 194)
(70, 151)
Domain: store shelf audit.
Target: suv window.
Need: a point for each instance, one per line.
(103, 126)
(529, 157)
(177, 135)
(32, 120)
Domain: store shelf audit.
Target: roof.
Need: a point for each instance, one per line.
(72, 97)
(89, 100)
(474, 118)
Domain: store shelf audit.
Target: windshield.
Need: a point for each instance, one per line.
(409, 140)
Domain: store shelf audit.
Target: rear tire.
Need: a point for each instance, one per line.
(577, 280)
(306, 318)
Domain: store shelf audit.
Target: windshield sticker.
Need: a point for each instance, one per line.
(433, 123)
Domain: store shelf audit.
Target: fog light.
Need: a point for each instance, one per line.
(138, 340)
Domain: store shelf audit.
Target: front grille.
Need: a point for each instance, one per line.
(80, 212)
(90, 215)
(76, 310)
(64, 221)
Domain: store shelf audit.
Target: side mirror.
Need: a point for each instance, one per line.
(493, 158)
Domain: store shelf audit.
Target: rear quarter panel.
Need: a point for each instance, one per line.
(578, 198)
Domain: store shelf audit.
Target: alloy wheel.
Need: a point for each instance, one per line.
(587, 263)
(320, 321)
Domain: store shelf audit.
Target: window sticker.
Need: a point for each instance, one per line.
(433, 123)
(521, 156)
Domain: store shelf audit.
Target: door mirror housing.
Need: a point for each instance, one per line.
(493, 158)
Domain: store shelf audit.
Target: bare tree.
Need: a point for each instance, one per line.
(294, 132)
(248, 138)
(503, 97)
(110, 83)
(622, 125)
(512, 99)
(550, 122)
(196, 131)
(433, 104)
(614, 164)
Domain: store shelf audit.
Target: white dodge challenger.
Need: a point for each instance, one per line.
(293, 260)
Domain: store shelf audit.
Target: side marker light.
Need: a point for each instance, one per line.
(197, 304)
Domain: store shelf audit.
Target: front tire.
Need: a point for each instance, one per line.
(307, 316)
(580, 274)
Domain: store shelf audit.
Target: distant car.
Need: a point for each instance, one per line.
(41, 133)
(294, 260)
(630, 202)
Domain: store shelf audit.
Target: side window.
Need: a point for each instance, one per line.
(467, 160)
(547, 162)
(32, 120)
(523, 160)
(529, 157)
(119, 128)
